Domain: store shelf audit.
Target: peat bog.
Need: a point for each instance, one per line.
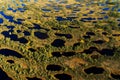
(59, 39)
